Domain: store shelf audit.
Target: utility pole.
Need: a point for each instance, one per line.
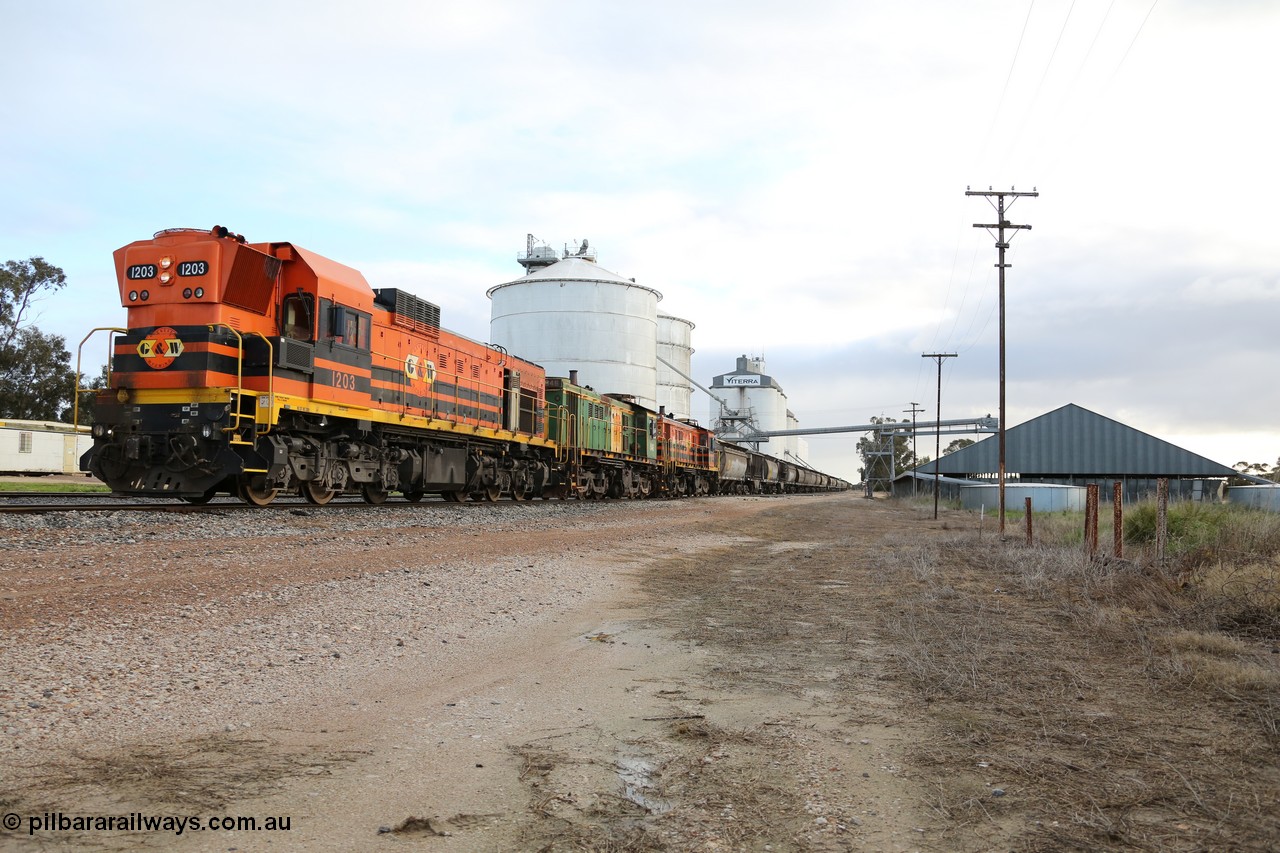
(915, 460)
(1001, 225)
(937, 451)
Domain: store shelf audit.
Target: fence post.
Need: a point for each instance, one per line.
(1029, 537)
(1162, 518)
(1091, 519)
(1117, 517)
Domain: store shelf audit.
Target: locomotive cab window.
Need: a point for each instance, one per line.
(296, 317)
(348, 326)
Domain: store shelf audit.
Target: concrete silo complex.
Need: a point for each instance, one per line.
(572, 314)
(568, 313)
(748, 399)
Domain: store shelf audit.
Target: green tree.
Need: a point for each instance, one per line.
(1257, 469)
(36, 378)
(874, 450)
(88, 391)
(958, 444)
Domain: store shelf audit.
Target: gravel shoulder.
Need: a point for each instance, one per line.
(490, 677)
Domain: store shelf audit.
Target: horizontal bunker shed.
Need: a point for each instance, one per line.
(1073, 446)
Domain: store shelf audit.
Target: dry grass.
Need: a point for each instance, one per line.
(1117, 704)
(202, 775)
(1101, 696)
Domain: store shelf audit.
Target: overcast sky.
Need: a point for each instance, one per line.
(791, 176)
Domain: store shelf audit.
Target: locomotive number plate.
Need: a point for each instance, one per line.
(193, 267)
(137, 271)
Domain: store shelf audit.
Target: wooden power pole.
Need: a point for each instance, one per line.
(937, 444)
(915, 460)
(1002, 243)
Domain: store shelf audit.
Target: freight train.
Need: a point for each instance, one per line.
(256, 369)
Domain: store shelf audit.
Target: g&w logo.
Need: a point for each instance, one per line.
(160, 348)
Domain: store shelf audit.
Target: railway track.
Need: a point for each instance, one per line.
(43, 502)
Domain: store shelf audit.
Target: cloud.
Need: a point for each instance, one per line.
(792, 180)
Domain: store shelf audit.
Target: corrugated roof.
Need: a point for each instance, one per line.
(1073, 441)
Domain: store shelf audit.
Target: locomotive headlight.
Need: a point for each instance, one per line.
(122, 396)
(133, 296)
(199, 293)
(146, 294)
(206, 431)
(186, 293)
(166, 278)
(166, 262)
(99, 430)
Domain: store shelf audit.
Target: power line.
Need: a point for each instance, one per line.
(1044, 75)
(1000, 104)
(1083, 62)
(1064, 142)
(1133, 41)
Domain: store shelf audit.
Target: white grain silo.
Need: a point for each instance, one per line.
(576, 315)
(675, 348)
(753, 399)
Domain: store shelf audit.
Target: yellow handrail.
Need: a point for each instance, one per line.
(75, 402)
(561, 414)
(271, 388)
(237, 415)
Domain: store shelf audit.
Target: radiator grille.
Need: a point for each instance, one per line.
(408, 310)
(297, 355)
(252, 282)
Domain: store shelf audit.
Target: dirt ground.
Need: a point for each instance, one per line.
(809, 673)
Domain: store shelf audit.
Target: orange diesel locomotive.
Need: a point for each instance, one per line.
(253, 368)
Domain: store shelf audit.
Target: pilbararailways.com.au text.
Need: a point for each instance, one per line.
(140, 822)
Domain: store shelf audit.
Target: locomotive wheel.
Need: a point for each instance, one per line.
(255, 495)
(518, 494)
(316, 493)
(455, 497)
(491, 493)
(373, 494)
(413, 496)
